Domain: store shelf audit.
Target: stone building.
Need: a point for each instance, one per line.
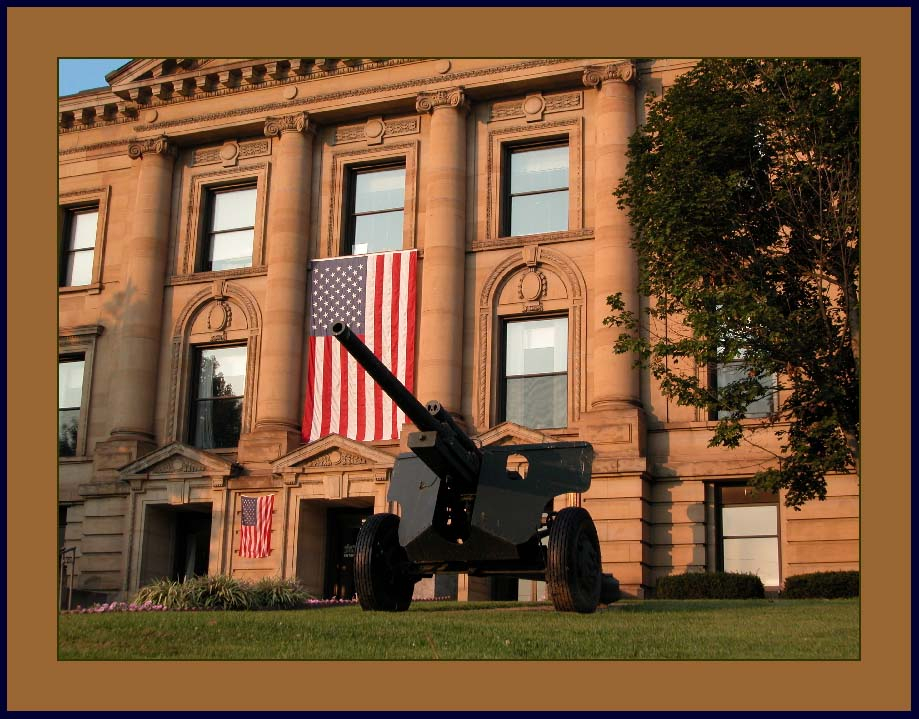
(193, 196)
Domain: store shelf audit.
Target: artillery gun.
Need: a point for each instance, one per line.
(481, 510)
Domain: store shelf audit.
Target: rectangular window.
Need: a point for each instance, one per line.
(376, 209)
(78, 246)
(536, 189)
(218, 387)
(535, 368)
(749, 524)
(726, 373)
(69, 400)
(230, 228)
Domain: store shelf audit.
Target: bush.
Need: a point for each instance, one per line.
(822, 585)
(277, 593)
(224, 592)
(714, 585)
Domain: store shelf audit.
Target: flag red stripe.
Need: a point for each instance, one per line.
(410, 325)
(326, 387)
(308, 405)
(394, 320)
(343, 393)
(378, 348)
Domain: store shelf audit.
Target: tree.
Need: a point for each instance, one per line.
(743, 190)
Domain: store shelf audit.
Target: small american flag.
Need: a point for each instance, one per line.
(255, 529)
(375, 296)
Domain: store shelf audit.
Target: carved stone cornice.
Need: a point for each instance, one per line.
(595, 76)
(297, 122)
(451, 97)
(161, 145)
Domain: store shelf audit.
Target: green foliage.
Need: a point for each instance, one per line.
(822, 585)
(277, 593)
(743, 189)
(710, 585)
(224, 593)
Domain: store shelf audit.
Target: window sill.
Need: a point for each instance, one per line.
(586, 233)
(93, 289)
(81, 459)
(216, 275)
(701, 425)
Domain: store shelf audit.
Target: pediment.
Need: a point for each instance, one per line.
(511, 433)
(332, 451)
(176, 458)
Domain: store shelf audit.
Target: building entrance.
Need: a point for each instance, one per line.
(177, 542)
(343, 526)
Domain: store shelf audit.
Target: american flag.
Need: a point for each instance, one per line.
(255, 530)
(375, 296)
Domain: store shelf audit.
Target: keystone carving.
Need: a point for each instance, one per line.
(594, 75)
(161, 145)
(298, 122)
(430, 101)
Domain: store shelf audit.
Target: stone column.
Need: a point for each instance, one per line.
(133, 383)
(615, 379)
(280, 403)
(440, 341)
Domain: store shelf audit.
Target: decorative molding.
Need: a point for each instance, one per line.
(535, 105)
(375, 130)
(175, 465)
(182, 345)
(573, 128)
(530, 259)
(335, 458)
(507, 243)
(161, 145)
(197, 183)
(199, 277)
(454, 97)
(231, 152)
(596, 75)
(336, 167)
(297, 122)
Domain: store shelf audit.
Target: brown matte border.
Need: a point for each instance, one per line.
(37, 36)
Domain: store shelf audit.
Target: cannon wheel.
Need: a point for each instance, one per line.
(379, 566)
(573, 562)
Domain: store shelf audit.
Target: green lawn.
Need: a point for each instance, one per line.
(657, 629)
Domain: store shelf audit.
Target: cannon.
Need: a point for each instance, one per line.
(481, 510)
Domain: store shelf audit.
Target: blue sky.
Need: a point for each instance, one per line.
(84, 74)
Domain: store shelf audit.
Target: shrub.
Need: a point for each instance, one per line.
(277, 593)
(219, 591)
(165, 592)
(714, 585)
(822, 585)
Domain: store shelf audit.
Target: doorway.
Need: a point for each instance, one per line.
(343, 525)
(176, 543)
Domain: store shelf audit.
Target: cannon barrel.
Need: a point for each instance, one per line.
(440, 444)
(389, 383)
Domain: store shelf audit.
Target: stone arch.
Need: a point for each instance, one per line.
(533, 257)
(223, 312)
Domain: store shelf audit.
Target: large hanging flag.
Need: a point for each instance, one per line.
(375, 296)
(255, 527)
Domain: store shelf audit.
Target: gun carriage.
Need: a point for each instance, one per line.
(481, 510)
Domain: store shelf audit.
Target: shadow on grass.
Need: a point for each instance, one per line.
(638, 606)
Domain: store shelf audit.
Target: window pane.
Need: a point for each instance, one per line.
(380, 190)
(749, 521)
(546, 212)
(229, 250)
(537, 346)
(734, 372)
(70, 383)
(217, 423)
(538, 402)
(67, 422)
(79, 270)
(377, 233)
(542, 169)
(222, 372)
(758, 555)
(83, 230)
(234, 209)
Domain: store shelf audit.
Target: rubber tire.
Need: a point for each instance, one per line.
(573, 568)
(379, 576)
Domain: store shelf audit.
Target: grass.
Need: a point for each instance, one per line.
(631, 630)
